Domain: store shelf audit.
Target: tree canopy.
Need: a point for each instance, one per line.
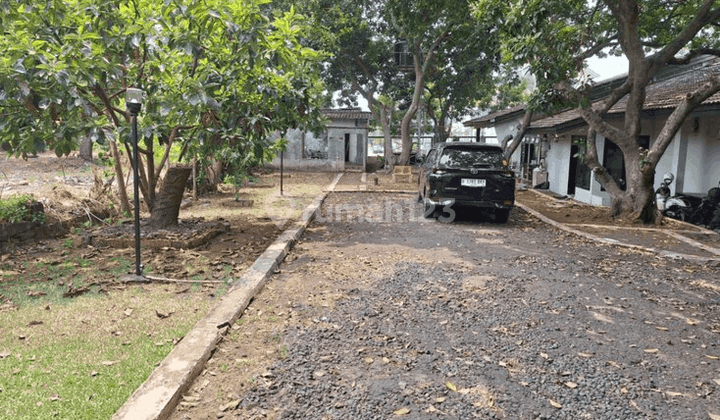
(390, 51)
(221, 75)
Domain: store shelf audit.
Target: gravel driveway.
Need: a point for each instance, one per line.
(381, 314)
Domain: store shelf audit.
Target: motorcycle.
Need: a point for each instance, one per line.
(679, 206)
(708, 211)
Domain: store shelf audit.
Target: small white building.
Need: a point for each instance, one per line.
(342, 146)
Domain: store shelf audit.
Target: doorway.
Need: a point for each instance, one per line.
(579, 174)
(347, 147)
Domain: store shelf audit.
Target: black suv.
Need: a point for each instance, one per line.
(468, 175)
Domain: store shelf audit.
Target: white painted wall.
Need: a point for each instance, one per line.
(557, 161)
(709, 129)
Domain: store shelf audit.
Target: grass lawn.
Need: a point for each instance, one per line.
(81, 358)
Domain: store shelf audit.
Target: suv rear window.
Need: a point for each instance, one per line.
(471, 157)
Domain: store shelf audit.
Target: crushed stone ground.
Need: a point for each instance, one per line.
(377, 317)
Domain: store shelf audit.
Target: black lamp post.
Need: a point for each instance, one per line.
(133, 100)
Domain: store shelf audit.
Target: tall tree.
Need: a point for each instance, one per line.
(460, 81)
(362, 62)
(391, 48)
(434, 30)
(218, 75)
(555, 38)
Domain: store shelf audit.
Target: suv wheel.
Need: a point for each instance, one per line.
(502, 215)
(429, 209)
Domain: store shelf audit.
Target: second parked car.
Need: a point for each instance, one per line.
(474, 175)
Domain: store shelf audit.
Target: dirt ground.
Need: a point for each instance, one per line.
(568, 211)
(63, 184)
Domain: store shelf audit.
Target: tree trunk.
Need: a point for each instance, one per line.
(636, 203)
(167, 204)
(122, 189)
(385, 122)
(517, 138)
(407, 118)
(86, 148)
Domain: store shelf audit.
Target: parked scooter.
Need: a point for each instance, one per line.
(678, 206)
(708, 211)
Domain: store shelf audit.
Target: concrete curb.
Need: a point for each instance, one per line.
(607, 241)
(157, 397)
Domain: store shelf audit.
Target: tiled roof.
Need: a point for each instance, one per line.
(346, 114)
(670, 92)
(491, 119)
(665, 94)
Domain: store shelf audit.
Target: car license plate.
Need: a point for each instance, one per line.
(468, 182)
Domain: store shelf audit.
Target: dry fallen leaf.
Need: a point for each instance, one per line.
(401, 411)
(717, 381)
(128, 312)
(585, 355)
(368, 360)
(714, 416)
(674, 394)
(712, 357)
(571, 385)
(555, 404)
(162, 315)
(691, 321)
(439, 399)
(431, 409)
(651, 351)
(230, 406)
(661, 328)
(602, 318)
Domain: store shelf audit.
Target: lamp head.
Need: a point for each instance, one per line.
(133, 100)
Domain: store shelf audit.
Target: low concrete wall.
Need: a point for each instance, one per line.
(319, 165)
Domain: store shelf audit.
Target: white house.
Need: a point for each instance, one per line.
(693, 156)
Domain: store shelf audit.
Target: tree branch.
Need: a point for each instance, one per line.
(433, 49)
(593, 163)
(174, 133)
(524, 126)
(674, 122)
(704, 15)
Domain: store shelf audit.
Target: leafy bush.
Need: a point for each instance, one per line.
(17, 209)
